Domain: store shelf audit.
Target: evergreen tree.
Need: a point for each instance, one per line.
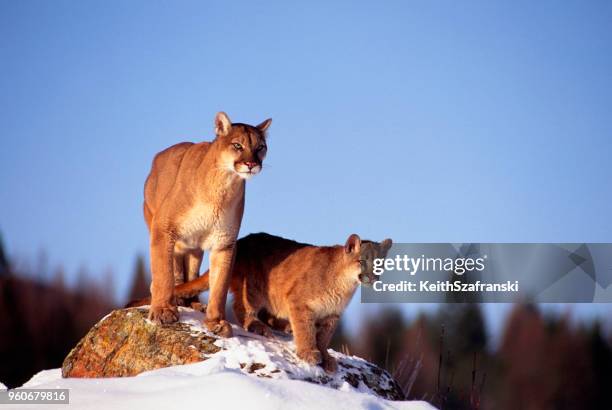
(5, 269)
(140, 282)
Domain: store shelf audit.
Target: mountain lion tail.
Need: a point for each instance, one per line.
(185, 290)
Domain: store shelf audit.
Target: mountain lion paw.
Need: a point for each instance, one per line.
(259, 328)
(312, 357)
(200, 307)
(329, 364)
(219, 327)
(163, 314)
(281, 325)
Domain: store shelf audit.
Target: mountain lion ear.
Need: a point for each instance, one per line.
(353, 244)
(386, 245)
(223, 125)
(263, 127)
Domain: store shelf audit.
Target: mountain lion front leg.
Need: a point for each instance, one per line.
(163, 308)
(304, 334)
(221, 261)
(325, 330)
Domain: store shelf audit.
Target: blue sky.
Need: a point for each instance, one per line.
(416, 120)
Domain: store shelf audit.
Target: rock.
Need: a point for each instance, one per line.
(126, 343)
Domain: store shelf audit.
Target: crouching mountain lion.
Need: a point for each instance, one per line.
(308, 285)
(194, 201)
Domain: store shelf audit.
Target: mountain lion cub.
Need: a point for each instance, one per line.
(194, 201)
(308, 285)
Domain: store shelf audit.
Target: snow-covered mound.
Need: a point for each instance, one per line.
(248, 371)
(205, 385)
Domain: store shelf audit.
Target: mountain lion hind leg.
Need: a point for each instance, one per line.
(192, 264)
(247, 307)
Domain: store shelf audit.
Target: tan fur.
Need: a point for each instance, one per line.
(194, 201)
(307, 285)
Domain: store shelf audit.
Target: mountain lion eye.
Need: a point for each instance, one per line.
(237, 146)
(260, 147)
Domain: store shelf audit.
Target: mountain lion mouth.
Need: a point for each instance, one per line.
(246, 174)
(365, 279)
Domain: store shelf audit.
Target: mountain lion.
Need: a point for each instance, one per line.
(194, 201)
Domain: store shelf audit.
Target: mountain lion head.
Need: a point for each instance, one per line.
(243, 146)
(364, 252)
(370, 251)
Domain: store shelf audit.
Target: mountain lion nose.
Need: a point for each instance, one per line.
(251, 165)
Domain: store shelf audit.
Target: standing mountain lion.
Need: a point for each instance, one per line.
(194, 201)
(307, 285)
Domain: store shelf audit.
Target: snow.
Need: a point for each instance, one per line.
(250, 371)
(204, 385)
